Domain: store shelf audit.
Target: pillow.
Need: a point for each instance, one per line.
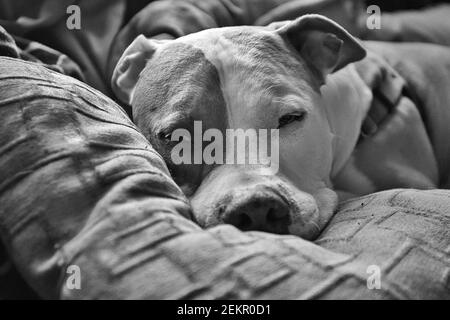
(81, 189)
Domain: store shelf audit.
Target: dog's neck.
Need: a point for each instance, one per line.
(346, 99)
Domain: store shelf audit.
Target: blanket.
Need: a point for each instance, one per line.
(107, 27)
(48, 22)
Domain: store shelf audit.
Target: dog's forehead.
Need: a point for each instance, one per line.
(255, 66)
(224, 45)
(216, 71)
(186, 69)
(256, 56)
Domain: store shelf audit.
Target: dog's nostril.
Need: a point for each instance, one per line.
(239, 219)
(244, 221)
(271, 215)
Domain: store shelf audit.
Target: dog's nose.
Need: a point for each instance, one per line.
(269, 213)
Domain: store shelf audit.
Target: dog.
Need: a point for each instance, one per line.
(315, 83)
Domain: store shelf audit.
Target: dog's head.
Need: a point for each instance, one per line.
(189, 94)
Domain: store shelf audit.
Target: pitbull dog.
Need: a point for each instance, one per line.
(300, 77)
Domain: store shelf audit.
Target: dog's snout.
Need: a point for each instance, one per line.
(259, 212)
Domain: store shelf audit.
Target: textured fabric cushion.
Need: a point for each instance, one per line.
(79, 185)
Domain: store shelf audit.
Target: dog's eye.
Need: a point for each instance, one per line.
(290, 118)
(165, 136)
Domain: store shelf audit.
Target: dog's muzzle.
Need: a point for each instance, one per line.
(257, 208)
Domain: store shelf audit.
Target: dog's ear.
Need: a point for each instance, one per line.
(133, 61)
(323, 44)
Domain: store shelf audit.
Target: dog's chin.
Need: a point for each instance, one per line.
(309, 221)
